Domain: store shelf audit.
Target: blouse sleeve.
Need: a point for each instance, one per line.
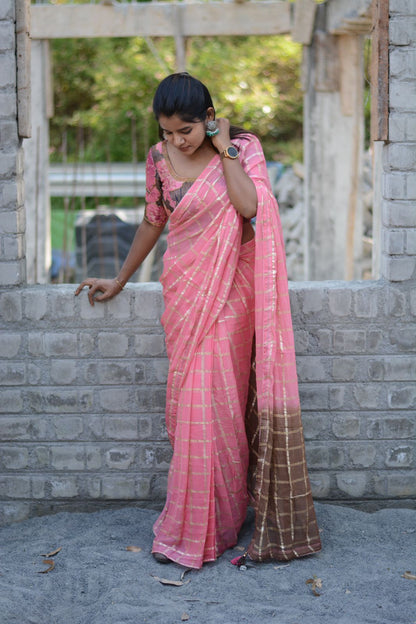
(155, 213)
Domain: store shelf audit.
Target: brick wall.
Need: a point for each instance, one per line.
(83, 389)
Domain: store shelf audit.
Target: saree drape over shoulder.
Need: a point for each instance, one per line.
(232, 413)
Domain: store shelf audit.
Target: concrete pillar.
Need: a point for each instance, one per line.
(36, 149)
(333, 144)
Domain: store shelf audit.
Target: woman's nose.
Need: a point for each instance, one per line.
(178, 139)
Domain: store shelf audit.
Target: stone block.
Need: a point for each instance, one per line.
(10, 307)
(410, 244)
(408, 7)
(313, 396)
(399, 214)
(344, 369)
(93, 458)
(158, 486)
(402, 397)
(320, 484)
(395, 485)
(38, 487)
(324, 456)
(89, 312)
(21, 428)
(61, 305)
(7, 12)
(145, 428)
(325, 340)
(301, 341)
(337, 397)
(150, 345)
(119, 307)
(349, 341)
(113, 344)
(12, 374)
(86, 344)
(60, 401)
(120, 487)
(68, 427)
(151, 399)
(63, 371)
(395, 302)
(412, 299)
(35, 304)
(8, 108)
(155, 371)
(400, 456)
(402, 30)
(393, 241)
(363, 455)
(10, 345)
(13, 247)
(397, 268)
(115, 400)
(340, 301)
(346, 426)
(403, 338)
(402, 127)
(60, 344)
(92, 487)
(13, 486)
(11, 401)
(115, 372)
(148, 304)
(369, 396)
(8, 71)
(143, 487)
(12, 273)
(400, 368)
(399, 427)
(13, 512)
(14, 458)
(8, 130)
(36, 344)
(312, 301)
(120, 428)
(64, 487)
(41, 457)
(352, 483)
(376, 370)
(68, 457)
(401, 156)
(120, 458)
(8, 162)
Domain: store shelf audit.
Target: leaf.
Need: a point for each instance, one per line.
(185, 617)
(184, 572)
(134, 549)
(51, 554)
(50, 563)
(280, 567)
(409, 575)
(169, 582)
(316, 583)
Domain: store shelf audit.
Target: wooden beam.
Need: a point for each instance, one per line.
(380, 71)
(304, 19)
(159, 19)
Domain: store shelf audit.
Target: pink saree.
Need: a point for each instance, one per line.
(229, 414)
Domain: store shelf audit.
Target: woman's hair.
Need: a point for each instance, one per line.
(183, 95)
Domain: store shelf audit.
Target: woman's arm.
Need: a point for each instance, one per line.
(241, 189)
(144, 240)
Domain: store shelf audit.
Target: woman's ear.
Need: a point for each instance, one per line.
(210, 114)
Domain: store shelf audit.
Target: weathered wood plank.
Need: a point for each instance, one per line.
(159, 19)
(380, 71)
(304, 18)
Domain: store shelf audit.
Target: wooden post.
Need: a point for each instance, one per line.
(380, 71)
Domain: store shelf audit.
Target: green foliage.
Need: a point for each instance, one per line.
(104, 90)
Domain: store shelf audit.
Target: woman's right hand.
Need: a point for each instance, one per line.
(108, 287)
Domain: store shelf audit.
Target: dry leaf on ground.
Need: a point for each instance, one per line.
(134, 549)
(315, 583)
(409, 575)
(185, 617)
(50, 563)
(51, 554)
(169, 581)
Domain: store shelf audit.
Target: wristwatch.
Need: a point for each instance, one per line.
(230, 152)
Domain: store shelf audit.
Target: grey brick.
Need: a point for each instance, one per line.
(93, 458)
(402, 127)
(349, 341)
(150, 345)
(402, 397)
(7, 11)
(115, 400)
(11, 401)
(63, 371)
(86, 344)
(325, 339)
(324, 456)
(14, 512)
(14, 487)
(13, 247)
(395, 302)
(120, 428)
(346, 426)
(60, 401)
(113, 344)
(400, 457)
(398, 484)
(156, 371)
(88, 312)
(311, 368)
(119, 307)
(60, 344)
(399, 214)
(151, 399)
(12, 374)
(115, 372)
(61, 305)
(12, 273)
(412, 298)
(14, 458)
(143, 487)
(21, 428)
(8, 131)
(64, 487)
(92, 487)
(10, 344)
(394, 241)
(337, 397)
(315, 425)
(41, 456)
(8, 71)
(312, 301)
(340, 302)
(68, 427)
(403, 338)
(145, 428)
(402, 31)
(320, 484)
(369, 396)
(68, 458)
(120, 458)
(353, 483)
(120, 487)
(158, 486)
(398, 269)
(11, 307)
(376, 370)
(363, 455)
(407, 7)
(38, 487)
(8, 107)
(410, 244)
(36, 344)
(400, 368)
(399, 427)
(344, 369)
(148, 304)
(35, 304)
(301, 341)
(402, 156)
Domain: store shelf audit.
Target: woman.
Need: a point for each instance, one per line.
(232, 412)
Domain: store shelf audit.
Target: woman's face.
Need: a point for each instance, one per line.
(186, 136)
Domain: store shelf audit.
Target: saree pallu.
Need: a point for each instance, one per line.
(214, 303)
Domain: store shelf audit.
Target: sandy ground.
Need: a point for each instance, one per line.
(97, 581)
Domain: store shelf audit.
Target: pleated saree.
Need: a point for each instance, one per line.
(232, 412)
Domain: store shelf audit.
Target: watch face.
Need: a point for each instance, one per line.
(232, 152)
